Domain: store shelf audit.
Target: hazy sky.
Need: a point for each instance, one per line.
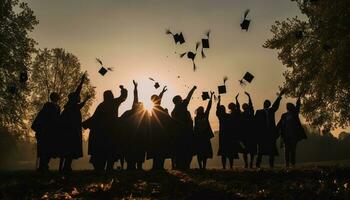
(130, 36)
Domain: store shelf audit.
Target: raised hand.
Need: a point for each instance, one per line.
(165, 89)
(219, 97)
(121, 87)
(247, 94)
(211, 94)
(237, 96)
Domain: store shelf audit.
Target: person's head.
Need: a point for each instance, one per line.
(54, 97)
(200, 111)
(155, 99)
(245, 107)
(108, 95)
(267, 104)
(232, 107)
(177, 99)
(290, 107)
(222, 109)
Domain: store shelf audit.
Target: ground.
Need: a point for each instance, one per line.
(305, 182)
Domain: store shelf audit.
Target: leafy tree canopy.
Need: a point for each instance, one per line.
(316, 54)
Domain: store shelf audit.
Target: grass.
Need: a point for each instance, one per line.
(304, 182)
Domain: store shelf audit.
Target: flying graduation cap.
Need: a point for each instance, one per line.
(156, 84)
(246, 22)
(178, 37)
(103, 70)
(205, 43)
(247, 78)
(222, 88)
(205, 96)
(191, 55)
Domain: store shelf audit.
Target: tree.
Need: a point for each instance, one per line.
(58, 71)
(316, 54)
(16, 47)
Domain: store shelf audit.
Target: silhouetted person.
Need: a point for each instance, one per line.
(71, 130)
(268, 134)
(184, 131)
(159, 133)
(291, 131)
(105, 133)
(235, 128)
(135, 129)
(226, 147)
(46, 126)
(202, 134)
(248, 132)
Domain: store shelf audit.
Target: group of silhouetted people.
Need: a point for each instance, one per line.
(139, 134)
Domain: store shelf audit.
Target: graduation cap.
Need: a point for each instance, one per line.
(191, 55)
(156, 84)
(23, 77)
(205, 43)
(103, 70)
(248, 77)
(205, 96)
(245, 23)
(178, 37)
(222, 88)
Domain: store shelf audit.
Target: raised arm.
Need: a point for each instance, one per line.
(136, 95)
(123, 95)
(161, 93)
(276, 103)
(250, 103)
(80, 86)
(207, 110)
(238, 106)
(218, 106)
(219, 103)
(189, 95)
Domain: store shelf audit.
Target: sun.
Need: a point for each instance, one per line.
(148, 105)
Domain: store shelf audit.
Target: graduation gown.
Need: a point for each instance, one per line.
(135, 126)
(71, 138)
(266, 129)
(159, 134)
(46, 126)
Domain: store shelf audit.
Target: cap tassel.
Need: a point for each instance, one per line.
(203, 55)
(197, 45)
(168, 32)
(246, 13)
(182, 55)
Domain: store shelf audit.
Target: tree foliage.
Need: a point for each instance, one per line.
(16, 47)
(55, 70)
(316, 54)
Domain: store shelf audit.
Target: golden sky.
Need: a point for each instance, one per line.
(130, 36)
